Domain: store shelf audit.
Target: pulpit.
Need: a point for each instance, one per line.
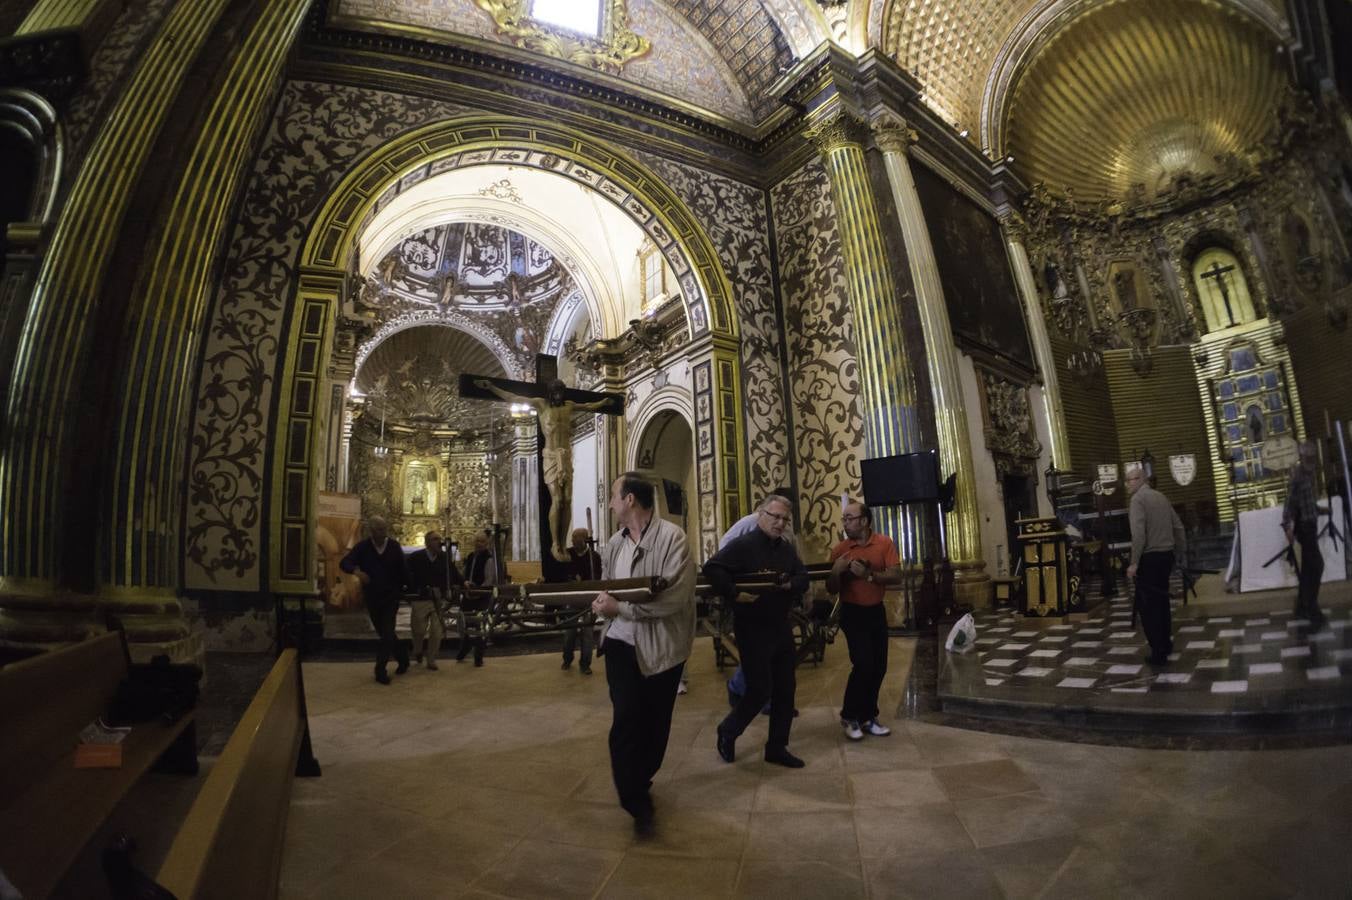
(1045, 577)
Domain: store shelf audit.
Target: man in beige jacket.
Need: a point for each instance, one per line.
(645, 645)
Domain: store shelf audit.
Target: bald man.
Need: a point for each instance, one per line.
(378, 563)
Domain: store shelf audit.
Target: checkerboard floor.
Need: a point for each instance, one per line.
(1216, 655)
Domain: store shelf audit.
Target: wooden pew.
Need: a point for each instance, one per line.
(48, 808)
(230, 845)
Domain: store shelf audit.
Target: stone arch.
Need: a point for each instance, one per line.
(447, 319)
(483, 140)
(492, 140)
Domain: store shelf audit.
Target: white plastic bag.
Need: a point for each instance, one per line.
(962, 636)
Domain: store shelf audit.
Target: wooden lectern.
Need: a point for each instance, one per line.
(1045, 579)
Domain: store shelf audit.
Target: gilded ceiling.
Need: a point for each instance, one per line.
(957, 48)
(1138, 93)
(411, 378)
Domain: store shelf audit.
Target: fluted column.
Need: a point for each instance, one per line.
(43, 471)
(886, 375)
(893, 138)
(1042, 348)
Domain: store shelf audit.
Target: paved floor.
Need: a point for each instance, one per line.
(494, 782)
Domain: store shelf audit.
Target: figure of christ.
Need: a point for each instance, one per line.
(555, 416)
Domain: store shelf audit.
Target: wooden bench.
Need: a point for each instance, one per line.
(48, 808)
(230, 844)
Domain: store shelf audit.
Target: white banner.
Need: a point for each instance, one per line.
(1107, 473)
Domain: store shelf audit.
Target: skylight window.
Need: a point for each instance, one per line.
(581, 16)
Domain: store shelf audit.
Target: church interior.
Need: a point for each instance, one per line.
(276, 268)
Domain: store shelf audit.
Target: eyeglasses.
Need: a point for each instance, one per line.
(776, 516)
(852, 518)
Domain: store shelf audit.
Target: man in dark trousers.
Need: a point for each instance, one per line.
(1300, 519)
(432, 575)
(481, 571)
(378, 563)
(761, 627)
(862, 567)
(584, 564)
(645, 644)
(1156, 540)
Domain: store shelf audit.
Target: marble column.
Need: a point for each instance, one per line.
(886, 375)
(963, 525)
(1042, 348)
(524, 494)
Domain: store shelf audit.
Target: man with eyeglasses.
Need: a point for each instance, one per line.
(761, 626)
(862, 567)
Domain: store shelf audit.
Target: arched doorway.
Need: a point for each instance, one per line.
(666, 449)
(331, 248)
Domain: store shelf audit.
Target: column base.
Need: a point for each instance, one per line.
(972, 586)
(36, 616)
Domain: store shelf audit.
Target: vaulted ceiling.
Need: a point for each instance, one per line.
(1139, 93)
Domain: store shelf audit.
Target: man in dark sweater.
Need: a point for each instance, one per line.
(481, 571)
(432, 575)
(761, 627)
(378, 563)
(584, 564)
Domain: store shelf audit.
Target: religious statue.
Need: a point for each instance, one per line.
(555, 415)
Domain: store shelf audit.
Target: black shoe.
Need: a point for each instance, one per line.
(567, 663)
(783, 757)
(382, 676)
(585, 670)
(1156, 659)
(478, 660)
(727, 747)
(401, 668)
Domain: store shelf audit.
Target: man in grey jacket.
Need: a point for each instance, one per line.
(1157, 539)
(645, 645)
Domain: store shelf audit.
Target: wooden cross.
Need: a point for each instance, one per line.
(554, 409)
(1217, 271)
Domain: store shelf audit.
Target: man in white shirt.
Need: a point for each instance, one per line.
(645, 645)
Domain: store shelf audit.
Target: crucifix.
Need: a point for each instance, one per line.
(1217, 271)
(554, 404)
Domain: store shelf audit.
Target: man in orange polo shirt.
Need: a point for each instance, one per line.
(862, 567)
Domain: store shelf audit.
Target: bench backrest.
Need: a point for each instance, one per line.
(230, 845)
(45, 701)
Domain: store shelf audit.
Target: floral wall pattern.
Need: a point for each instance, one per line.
(317, 133)
(735, 217)
(823, 370)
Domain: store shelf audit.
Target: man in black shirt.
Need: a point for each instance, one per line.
(432, 575)
(761, 626)
(481, 571)
(584, 564)
(378, 563)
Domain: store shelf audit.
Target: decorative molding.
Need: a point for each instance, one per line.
(616, 45)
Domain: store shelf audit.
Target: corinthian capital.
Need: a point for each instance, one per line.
(837, 128)
(892, 133)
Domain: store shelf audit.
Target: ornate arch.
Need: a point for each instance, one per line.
(471, 141)
(487, 140)
(446, 319)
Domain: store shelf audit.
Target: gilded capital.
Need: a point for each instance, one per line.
(892, 133)
(836, 129)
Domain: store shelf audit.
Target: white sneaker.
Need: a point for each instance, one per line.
(852, 729)
(681, 688)
(876, 728)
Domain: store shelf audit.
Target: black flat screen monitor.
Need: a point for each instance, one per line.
(907, 478)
